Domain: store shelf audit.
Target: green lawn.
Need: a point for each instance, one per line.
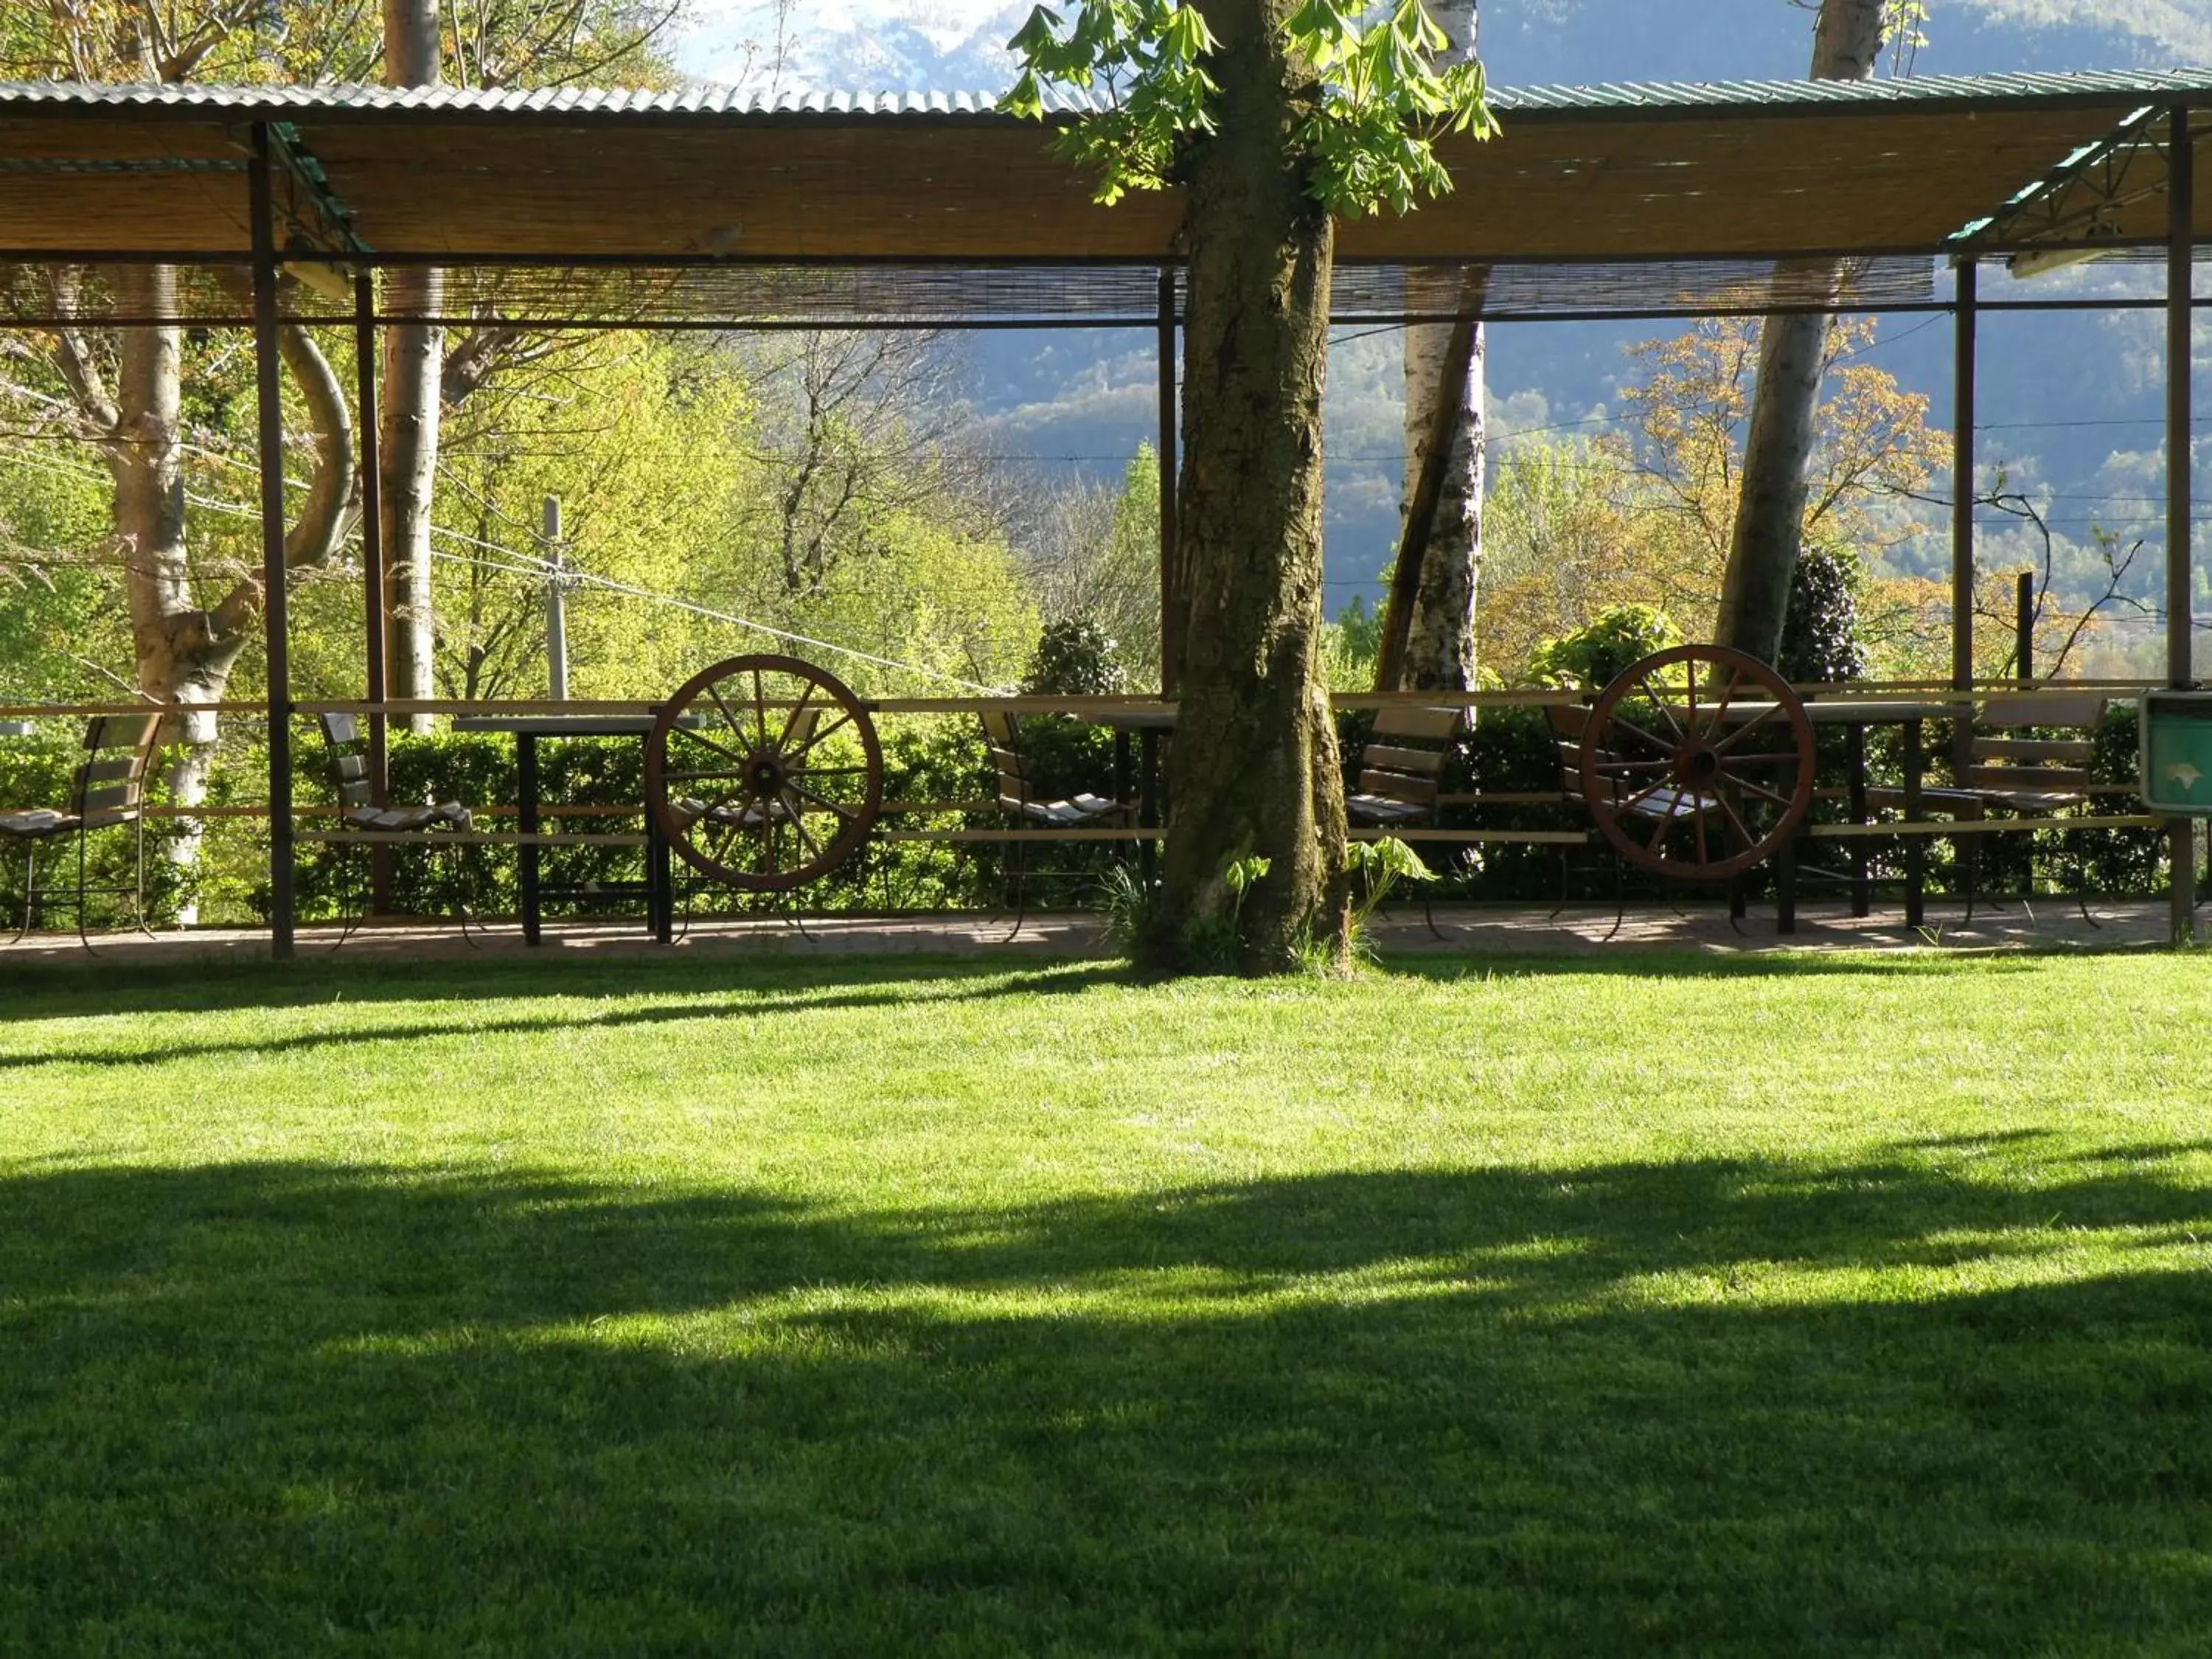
(1786, 1306)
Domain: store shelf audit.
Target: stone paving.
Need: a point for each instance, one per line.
(1475, 931)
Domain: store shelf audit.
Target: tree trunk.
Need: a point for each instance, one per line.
(1440, 638)
(1253, 770)
(409, 407)
(1778, 453)
(185, 653)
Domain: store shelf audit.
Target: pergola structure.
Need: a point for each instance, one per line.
(704, 208)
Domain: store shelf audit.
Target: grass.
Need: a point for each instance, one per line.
(1793, 1306)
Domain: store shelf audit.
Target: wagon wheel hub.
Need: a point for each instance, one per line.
(766, 774)
(1697, 766)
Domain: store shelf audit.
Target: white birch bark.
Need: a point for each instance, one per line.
(409, 407)
(1778, 450)
(1440, 641)
(185, 654)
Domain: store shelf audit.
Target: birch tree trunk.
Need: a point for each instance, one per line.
(1440, 641)
(1252, 769)
(410, 406)
(185, 654)
(1778, 451)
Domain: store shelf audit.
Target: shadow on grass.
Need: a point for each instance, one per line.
(49, 990)
(1620, 1408)
(751, 994)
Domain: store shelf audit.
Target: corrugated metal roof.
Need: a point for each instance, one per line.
(1684, 99)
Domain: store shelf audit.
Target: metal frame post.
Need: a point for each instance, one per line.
(1966, 319)
(1171, 577)
(2181, 618)
(376, 590)
(274, 622)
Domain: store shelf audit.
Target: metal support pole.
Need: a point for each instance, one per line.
(270, 422)
(376, 591)
(1171, 577)
(1965, 317)
(556, 605)
(2023, 629)
(2180, 616)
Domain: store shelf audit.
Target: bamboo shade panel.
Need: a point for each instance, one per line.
(1597, 175)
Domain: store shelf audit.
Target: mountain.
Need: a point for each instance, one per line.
(2070, 405)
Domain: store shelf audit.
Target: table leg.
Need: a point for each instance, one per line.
(1148, 813)
(659, 886)
(1862, 886)
(526, 854)
(1121, 778)
(1785, 888)
(1915, 847)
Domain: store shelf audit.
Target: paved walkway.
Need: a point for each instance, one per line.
(2054, 924)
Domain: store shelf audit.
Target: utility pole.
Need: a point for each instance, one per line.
(556, 603)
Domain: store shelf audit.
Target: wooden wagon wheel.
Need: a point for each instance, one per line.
(1697, 763)
(764, 772)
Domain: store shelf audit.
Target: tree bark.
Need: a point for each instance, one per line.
(408, 408)
(1440, 652)
(185, 653)
(1778, 451)
(1253, 772)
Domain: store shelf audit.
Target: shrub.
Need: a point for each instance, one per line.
(1075, 658)
(1594, 655)
(1819, 629)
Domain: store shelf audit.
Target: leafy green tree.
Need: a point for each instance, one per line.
(1273, 118)
(1094, 558)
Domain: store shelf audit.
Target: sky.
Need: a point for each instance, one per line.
(1528, 36)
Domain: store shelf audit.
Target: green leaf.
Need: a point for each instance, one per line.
(1041, 32)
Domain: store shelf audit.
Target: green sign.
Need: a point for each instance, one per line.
(2177, 751)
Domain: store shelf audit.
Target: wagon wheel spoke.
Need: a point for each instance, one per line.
(822, 801)
(1660, 826)
(1737, 820)
(1762, 792)
(791, 722)
(701, 738)
(736, 727)
(1652, 692)
(1697, 820)
(844, 719)
(1728, 696)
(790, 801)
(1610, 766)
(1747, 728)
(1634, 730)
(722, 829)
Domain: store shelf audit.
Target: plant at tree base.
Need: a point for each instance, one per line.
(1380, 866)
(1271, 117)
